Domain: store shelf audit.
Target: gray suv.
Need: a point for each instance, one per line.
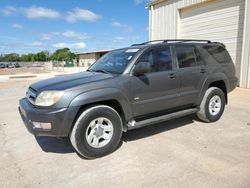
(130, 88)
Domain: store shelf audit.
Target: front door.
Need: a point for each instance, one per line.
(157, 90)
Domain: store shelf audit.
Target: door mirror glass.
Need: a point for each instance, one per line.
(142, 68)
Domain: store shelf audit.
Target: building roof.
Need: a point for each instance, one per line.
(153, 2)
(93, 52)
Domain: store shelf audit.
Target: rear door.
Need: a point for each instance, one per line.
(192, 73)
(157, 90)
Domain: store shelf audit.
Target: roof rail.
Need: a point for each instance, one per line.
(152, 41)
(173, 41)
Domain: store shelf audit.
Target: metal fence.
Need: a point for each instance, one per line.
(58, 66)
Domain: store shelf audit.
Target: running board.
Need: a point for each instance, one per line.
(134, 125)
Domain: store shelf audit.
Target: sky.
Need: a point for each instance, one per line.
(30, 26)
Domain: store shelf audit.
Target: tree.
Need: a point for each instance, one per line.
(59, 55)
(63, 54)
(12, 57)
(1, 58)
(41, 56)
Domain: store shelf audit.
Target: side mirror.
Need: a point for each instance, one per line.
(142, 68)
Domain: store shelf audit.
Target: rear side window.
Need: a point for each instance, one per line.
(186, 56)
(219, 53)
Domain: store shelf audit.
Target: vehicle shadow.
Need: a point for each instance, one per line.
(55, 145)
(63, 145)
(157, 128)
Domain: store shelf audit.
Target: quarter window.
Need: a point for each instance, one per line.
(219, 53)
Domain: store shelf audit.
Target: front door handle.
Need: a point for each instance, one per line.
(171, 76)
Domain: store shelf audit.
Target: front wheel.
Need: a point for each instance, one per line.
(212, 105)
(97, 132)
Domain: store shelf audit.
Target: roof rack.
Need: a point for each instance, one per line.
(173, 41)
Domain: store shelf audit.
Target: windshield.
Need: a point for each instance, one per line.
(114, 62)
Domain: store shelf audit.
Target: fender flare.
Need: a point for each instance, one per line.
(210, 79)
(102, 95)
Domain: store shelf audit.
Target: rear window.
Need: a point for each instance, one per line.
(219, 53)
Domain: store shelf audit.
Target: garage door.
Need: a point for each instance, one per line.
(217, 20)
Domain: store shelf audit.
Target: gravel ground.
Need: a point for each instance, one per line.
(178, 153)
(22, 70)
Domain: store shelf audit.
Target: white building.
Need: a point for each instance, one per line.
(88, 58)
(226, 21)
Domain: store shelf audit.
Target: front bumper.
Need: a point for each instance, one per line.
(61, 119)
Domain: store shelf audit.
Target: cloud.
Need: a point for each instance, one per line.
(17, 26)
(127, 28)
(35, 12)
(77, 45)
(46, 36)
(116, 24)
(137, 2)
(49, 36)
(75, 35)
(37, 44)
(78, 14)
(8, 10)
(119, 38)
(66, 34)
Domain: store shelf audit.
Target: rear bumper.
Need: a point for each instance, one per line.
(60, 119)
(233, 82)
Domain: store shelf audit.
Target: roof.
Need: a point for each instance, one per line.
(153, 2)
(93, 52)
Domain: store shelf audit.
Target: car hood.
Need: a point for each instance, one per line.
(69, 81)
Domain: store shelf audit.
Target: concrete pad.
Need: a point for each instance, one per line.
(179, 153)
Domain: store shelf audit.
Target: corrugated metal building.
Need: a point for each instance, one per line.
(85, 59)
(226, 21)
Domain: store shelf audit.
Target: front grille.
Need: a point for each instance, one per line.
(31, 95)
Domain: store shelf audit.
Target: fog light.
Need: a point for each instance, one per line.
(41, 125)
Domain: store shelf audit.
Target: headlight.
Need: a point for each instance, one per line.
(48, 98)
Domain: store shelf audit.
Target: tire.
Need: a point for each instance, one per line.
(212, 105)
(96, 132)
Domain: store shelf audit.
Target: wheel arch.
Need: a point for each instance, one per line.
(110, 97)
(220, 84)
(218, 80)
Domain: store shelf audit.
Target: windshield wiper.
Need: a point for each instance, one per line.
(101, 70)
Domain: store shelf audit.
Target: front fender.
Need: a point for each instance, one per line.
(104, 94)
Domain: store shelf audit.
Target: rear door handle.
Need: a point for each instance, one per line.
(171, 76)
(203, 71)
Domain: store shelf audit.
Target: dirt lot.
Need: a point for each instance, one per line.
(177, 153)
(22, 70)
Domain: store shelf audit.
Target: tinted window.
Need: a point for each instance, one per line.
(115, 61)
(160, 59)
(219, 53)
(186, 56)
(199, 59)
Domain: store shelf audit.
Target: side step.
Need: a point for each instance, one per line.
(134, 125)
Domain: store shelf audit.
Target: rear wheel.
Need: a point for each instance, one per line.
(212, 105)
(97, 131)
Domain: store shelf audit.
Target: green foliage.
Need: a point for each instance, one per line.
(12, 57)
(59, 55)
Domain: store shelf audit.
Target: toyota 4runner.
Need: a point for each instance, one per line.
(130, 88)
